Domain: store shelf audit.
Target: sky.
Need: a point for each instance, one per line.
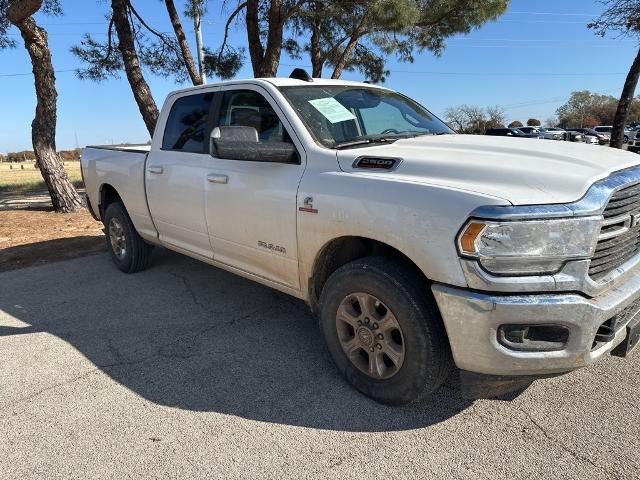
(528, 61)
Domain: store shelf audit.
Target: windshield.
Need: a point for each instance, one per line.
(342, 116)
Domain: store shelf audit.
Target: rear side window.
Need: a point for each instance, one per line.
(186, 126)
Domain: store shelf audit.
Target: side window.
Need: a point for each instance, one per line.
(187, 124)
(246, 108)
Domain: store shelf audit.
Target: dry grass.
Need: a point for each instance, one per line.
(24, 177)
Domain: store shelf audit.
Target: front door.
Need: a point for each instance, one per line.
(251, 206)
(176, 175)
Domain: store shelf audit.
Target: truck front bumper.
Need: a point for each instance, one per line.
(472, 321)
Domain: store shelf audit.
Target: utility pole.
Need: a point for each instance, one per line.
(198, 30)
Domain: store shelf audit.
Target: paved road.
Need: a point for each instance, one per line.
(187, 371)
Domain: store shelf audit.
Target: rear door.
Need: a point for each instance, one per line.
(176, 172)
(251, 206)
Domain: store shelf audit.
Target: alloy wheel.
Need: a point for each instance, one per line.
(370, 335)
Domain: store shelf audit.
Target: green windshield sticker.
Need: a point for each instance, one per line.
(332, 110)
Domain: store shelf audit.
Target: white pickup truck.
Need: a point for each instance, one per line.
(417, 248)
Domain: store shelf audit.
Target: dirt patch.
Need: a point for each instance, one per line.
(33, 236)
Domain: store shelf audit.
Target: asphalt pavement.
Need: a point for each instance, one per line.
(186, 371)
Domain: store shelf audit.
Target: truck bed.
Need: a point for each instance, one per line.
(138, 148)
(120, 168)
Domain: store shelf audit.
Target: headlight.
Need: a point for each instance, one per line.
(528, 247)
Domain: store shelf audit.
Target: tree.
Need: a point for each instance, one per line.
(587, 109)
(516, 124)
(552, 121)
(189, 64)
(64, 196)
(265, 23)
(496, 117)
(622, 16)
(122, 11)
(474, 120)
(362, 34)
(534, 122)
(132, 43)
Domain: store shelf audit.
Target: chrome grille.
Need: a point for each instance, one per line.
(619, 238)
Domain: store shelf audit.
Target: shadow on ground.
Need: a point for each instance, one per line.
(186, 335)
(56, 250)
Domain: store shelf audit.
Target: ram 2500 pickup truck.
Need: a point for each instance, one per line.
(417, 248)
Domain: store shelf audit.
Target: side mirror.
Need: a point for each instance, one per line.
(242, 143)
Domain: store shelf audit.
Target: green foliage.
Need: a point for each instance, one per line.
(195, 8)
(587, 109)
(5, 41)
(224, 64)
(158, 51)
(51, 8)
(620, 16)
(516, 124)
(533, 122)
(440, 19)
(362, 34)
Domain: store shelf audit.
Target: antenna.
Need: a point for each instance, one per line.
(301, 74)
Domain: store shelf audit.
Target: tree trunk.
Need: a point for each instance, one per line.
(64, 196)
(345, 56)
(126, 45)
(253, 36)
(315, 53)
(182, 42)
(620, 120)
(265, 60)
(197, 26)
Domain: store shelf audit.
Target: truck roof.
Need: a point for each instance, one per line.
(282, 82)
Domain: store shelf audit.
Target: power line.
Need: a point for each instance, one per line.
(31, 73)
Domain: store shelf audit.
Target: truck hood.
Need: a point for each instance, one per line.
(520, 171)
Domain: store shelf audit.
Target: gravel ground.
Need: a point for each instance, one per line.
(187, 371)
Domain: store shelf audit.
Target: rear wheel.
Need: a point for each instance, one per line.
(128, 250)
(383, 331)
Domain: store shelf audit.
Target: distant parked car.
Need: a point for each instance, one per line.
(553, 133)
(628, 133)
(602, 138)
(530, 130)
(509, 132)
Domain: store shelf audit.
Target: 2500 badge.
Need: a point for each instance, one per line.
(272, 247)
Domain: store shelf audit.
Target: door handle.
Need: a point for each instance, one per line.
(155, 170)
(215, 178)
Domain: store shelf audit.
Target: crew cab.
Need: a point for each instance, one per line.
(418, 249)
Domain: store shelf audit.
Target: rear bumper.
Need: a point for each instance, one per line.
(472, 321)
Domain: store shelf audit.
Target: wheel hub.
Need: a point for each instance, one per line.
(365, 336)
(370, 335)
(117, 239)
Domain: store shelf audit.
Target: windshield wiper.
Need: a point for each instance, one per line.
(364, 141)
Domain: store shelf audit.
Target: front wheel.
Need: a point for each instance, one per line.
(128, 250)
(383, 331)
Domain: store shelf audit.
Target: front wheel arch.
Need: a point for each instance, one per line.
(342, 250)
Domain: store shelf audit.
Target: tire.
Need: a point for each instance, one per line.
(425, 361)
(128, 250)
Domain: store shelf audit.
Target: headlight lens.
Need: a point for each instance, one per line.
(529, 247)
